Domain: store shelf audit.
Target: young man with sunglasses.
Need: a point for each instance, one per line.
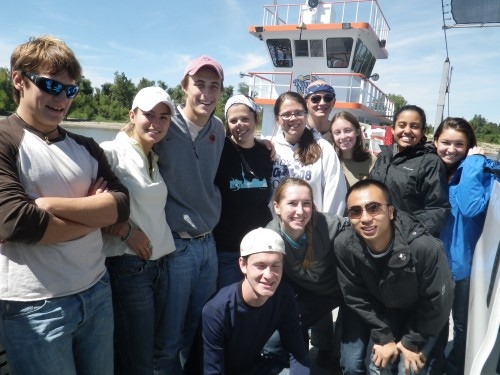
(320, 98)
(57, 191)
(394, 277)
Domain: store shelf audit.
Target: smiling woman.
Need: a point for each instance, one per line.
(137, 250)
(309, 261)
(348, 142)
(243, 178)
(302, 153)
(414, 173)
(471, 179)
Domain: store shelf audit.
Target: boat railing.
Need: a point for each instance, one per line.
(347, 11)
(269, 85)
(349, 87)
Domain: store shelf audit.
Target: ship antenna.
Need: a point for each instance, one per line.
(444, 29)
(444, 87)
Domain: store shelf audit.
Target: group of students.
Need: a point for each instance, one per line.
(109, 254)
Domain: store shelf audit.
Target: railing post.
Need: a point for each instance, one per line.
(362, 91)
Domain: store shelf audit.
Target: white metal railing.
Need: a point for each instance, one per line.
(346, 11)
(349, 87)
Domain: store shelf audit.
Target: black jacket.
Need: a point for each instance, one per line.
(416, 178)
(413, 282)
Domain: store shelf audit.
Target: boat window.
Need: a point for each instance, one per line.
(363, 61)
(301, 48)
(316, 47)
(338, 52)
(281, 52)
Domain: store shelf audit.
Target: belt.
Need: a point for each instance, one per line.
(184, 237)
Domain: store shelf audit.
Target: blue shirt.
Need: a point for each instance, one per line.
(234, 333)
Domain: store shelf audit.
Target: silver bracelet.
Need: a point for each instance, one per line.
(127, 237)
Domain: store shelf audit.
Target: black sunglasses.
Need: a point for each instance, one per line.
(51, 86)
(328, 98)
(372, 208)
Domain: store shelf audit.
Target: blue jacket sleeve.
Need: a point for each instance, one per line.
(473, 185)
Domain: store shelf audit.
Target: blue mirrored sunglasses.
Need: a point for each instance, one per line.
(51, 86)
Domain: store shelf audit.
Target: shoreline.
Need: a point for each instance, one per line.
(94, 125)
(492, 150)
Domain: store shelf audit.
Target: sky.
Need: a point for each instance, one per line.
(155, 39)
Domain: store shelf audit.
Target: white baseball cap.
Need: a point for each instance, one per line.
(261, 240)
(148, 97)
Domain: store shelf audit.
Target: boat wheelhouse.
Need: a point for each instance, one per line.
(338, 42)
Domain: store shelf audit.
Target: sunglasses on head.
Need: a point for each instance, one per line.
(51, 86)
(328, 98)
(372, 208)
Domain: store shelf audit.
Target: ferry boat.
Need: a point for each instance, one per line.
(338, 42)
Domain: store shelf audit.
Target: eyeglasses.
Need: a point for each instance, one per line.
(51, 86)
(372, 208)
(288, 116)
(347, 131)
(328, 98)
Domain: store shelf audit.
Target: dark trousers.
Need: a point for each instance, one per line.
(312, 308)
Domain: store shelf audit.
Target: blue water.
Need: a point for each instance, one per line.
(99, 134)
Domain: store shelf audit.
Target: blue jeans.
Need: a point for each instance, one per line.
(192, 272)
(229, 268)
(456, 358)
(354, 343)
(66, 335)
(356, 346)
(399, 365)
(140, 290)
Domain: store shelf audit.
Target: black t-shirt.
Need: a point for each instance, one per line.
(243, 179)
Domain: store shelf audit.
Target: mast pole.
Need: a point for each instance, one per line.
(443, 90)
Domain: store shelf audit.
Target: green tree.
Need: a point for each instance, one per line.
(490, 128)
(123, 90)
(163, 85)
(226, 94)
(113, 100)
(110, 110)
(243, 88)
(478, 123)
(144, 82)
(176, 94)
(7, 103)
(398, 100)
(84, 105)
(485, 130)
(106, 89)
